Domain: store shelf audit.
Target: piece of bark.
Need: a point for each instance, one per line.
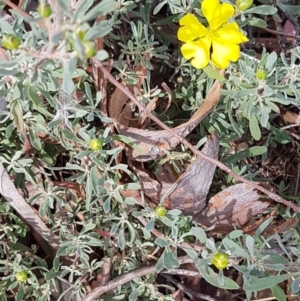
(234, 206)
(193, 186)
(27, 214)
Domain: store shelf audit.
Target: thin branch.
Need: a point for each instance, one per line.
(280, 33)
(182, 272)
(290, 126)
(222, 166)
(121, 280)
(187, 290)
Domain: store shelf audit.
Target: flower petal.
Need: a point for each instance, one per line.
(231, 34)
(197, 51)
(191, 29)
(223, 53)
(216, 13)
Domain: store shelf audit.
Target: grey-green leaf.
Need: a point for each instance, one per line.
(254, 128)
(259, 284)
(103, 8)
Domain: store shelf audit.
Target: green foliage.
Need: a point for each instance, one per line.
(71, 139)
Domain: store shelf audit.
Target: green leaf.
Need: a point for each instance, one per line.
(271, 60)
(262, 10)
(159, 6)
(295, 286)
(170, 262)
(191, 252)
(262, 227)
(250, 245)
(278, 293)
(35, 140)
(34, 97)
(51, 275)
(103, 8)
(259, 284)
(213, 73)
(161, 242)
(87, 228)
(68, 85)
(150, 225)
(70, 136)
(212, 278)
(94, 178)
(99, 30)
(234, 248)
(82, 8)
(165, 21)
(254, 128)
(101, 55)
(18, 116)
(235, 234)
(130, 201)
(64, 5)
(121, 239)
(199, 233)
(134, 295)
(256, 22)
(243, 93)
(160, 264)
(20, 293)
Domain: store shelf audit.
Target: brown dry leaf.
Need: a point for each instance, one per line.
(234, 206)
(290, 117)
(119, 105)
(153, 143)
(191, 187)
(119, 108)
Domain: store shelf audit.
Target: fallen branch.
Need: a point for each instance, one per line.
(121, 280)
(28, 215)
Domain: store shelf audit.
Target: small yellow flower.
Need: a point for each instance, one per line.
(261, 74)
(95, 144)
(220, 260)
(21, 276)
(160, 211)
(219, 43)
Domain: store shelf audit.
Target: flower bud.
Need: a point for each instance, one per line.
(220, 260)
(261, 74)
(80, 34)
(11, 42)
(44, 10)
(95, 144)
(243, 4)
(21, 276)
(160, 211)
(90, 49)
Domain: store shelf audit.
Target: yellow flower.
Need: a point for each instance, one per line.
(220, 260)
(218, 43)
